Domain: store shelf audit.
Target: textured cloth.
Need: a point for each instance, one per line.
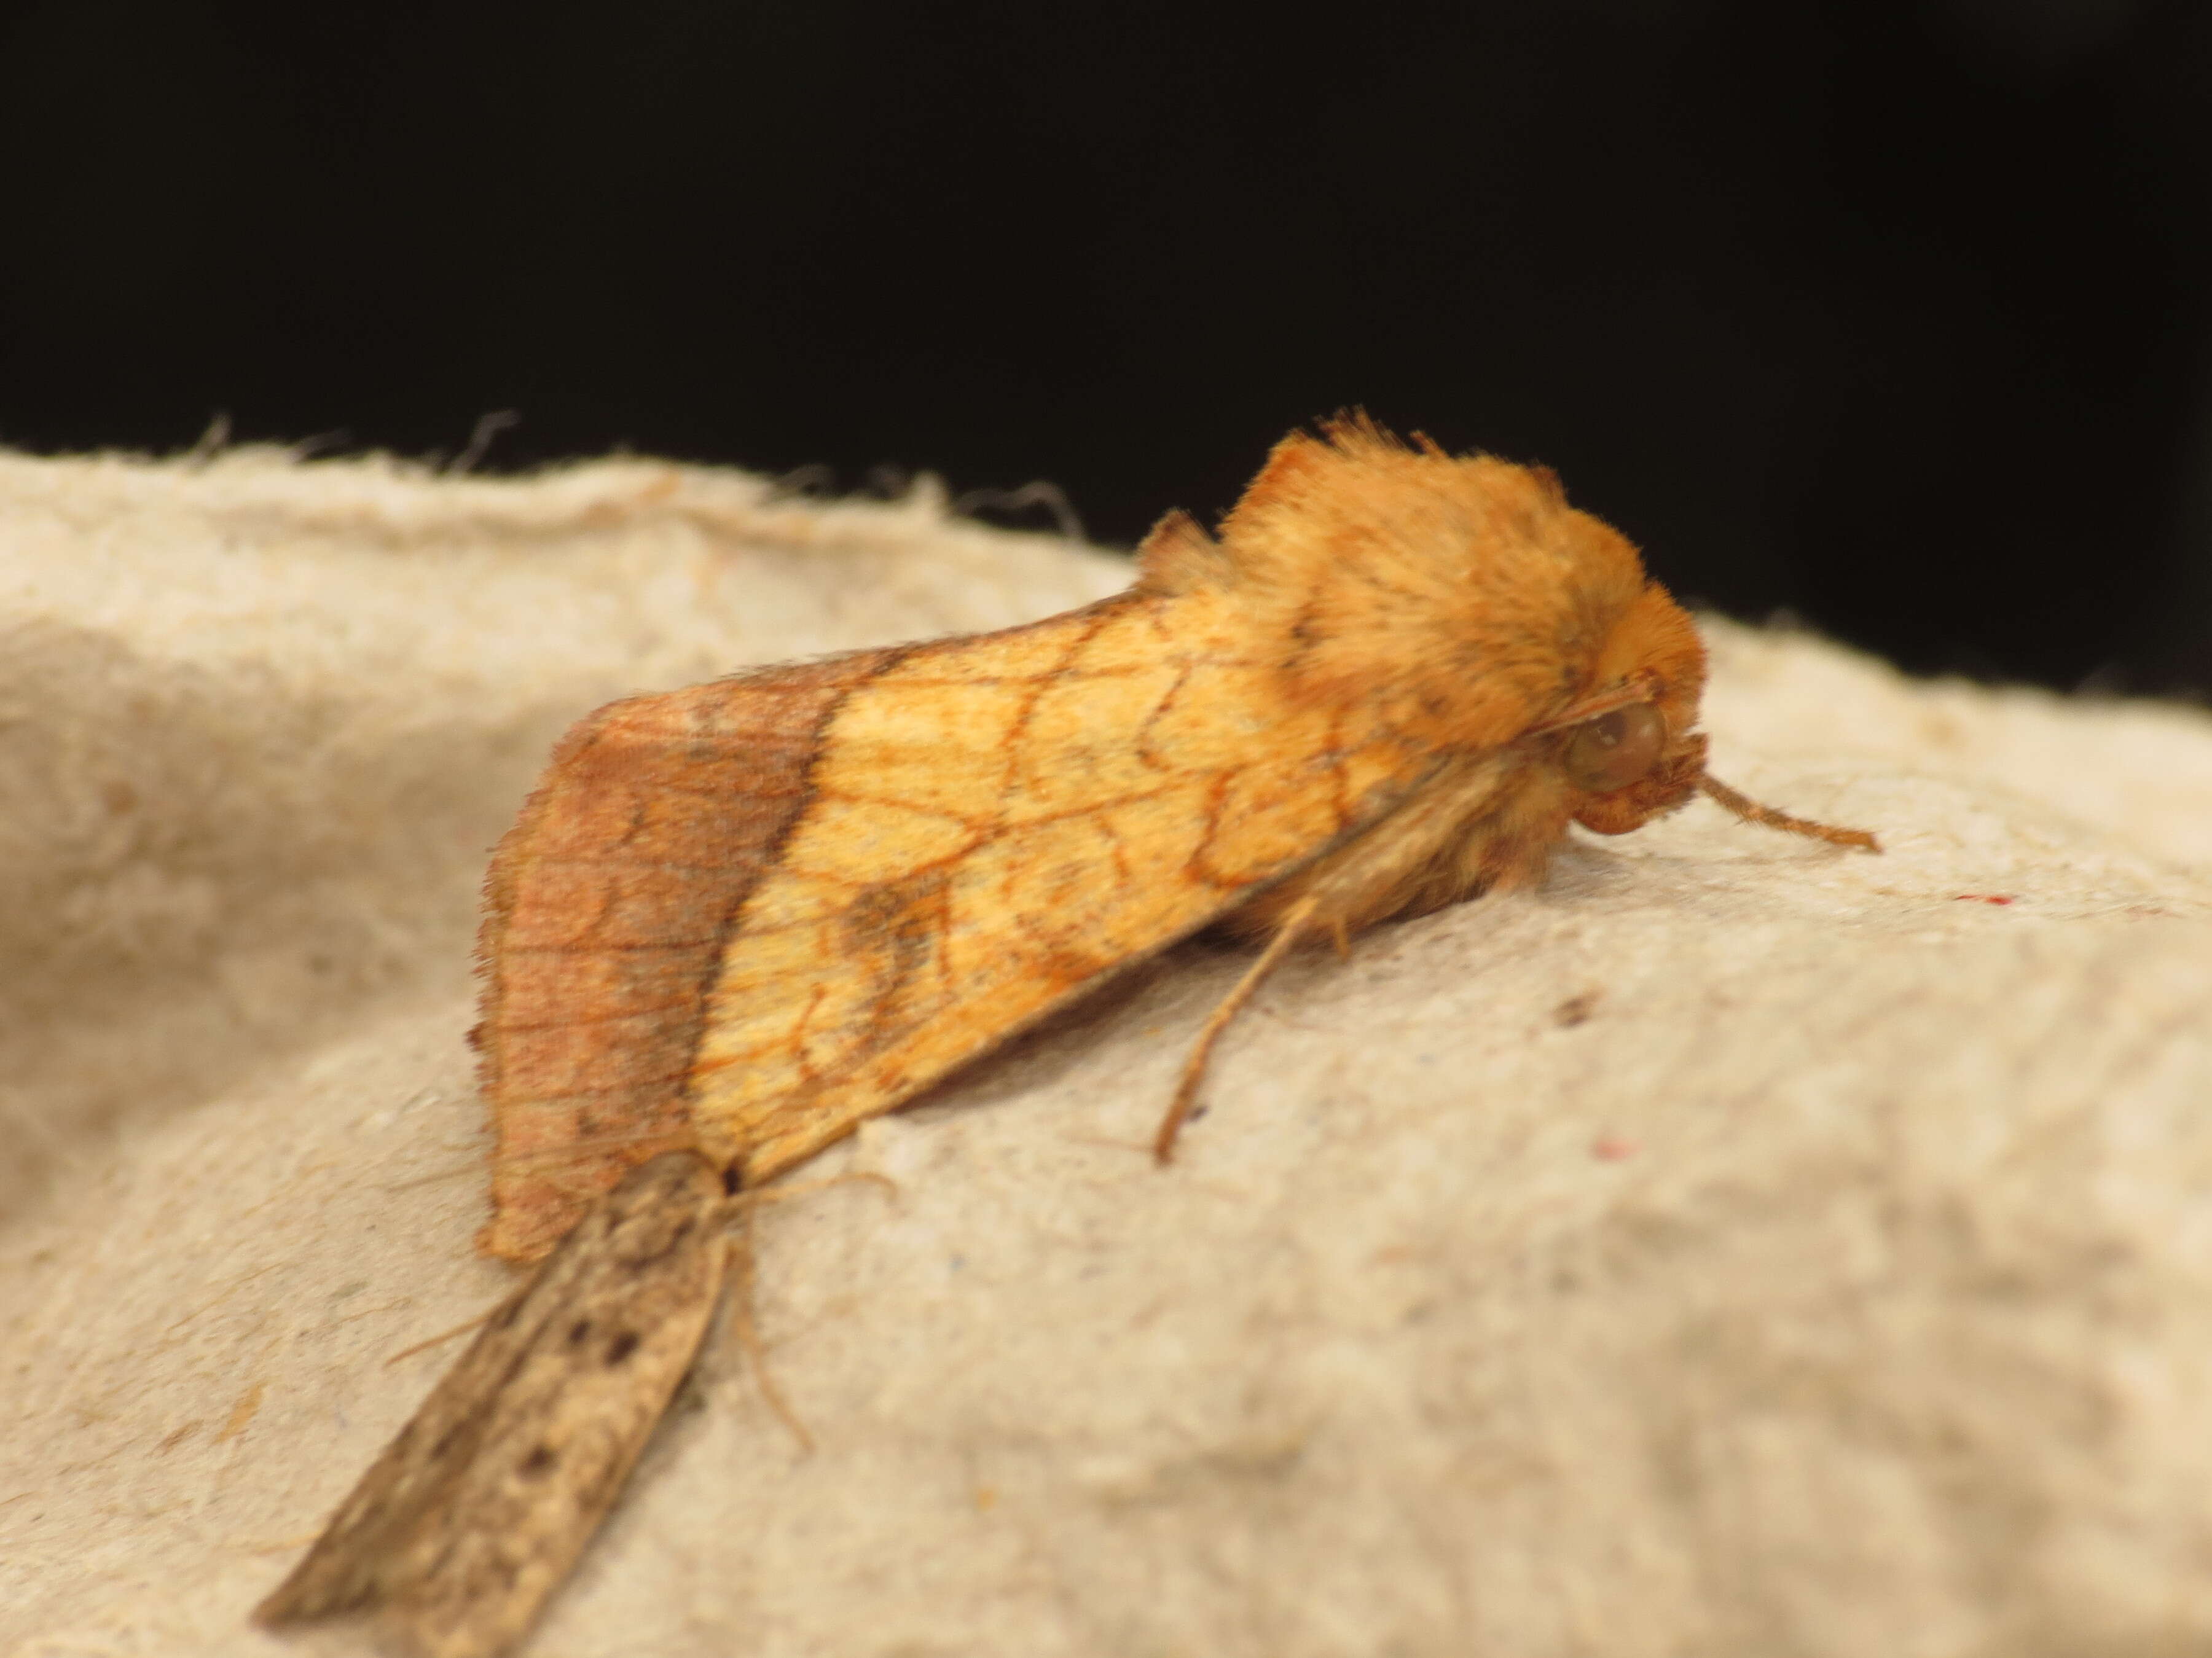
(1735, 1246)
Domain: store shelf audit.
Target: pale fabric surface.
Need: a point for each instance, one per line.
(1842, 1284)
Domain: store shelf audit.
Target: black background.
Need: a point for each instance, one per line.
(1893, 313)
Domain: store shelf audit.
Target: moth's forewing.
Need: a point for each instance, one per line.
(692, 936)
(606, 909)
(1001, 824)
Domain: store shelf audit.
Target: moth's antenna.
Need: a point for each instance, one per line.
(1751, 812)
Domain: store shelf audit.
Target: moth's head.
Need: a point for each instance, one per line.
(1629, 746)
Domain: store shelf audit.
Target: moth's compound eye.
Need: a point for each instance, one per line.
(1615, 750)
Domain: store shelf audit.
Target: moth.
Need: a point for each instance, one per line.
(735, 921)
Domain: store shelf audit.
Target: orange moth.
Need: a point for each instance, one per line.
(745, 917)
(735, 921)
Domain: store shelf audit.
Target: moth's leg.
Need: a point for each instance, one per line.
(759, 1197)
(1287, 933)
(743, 1204)
(748, 1331)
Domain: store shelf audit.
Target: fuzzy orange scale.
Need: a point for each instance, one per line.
(748, 916)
